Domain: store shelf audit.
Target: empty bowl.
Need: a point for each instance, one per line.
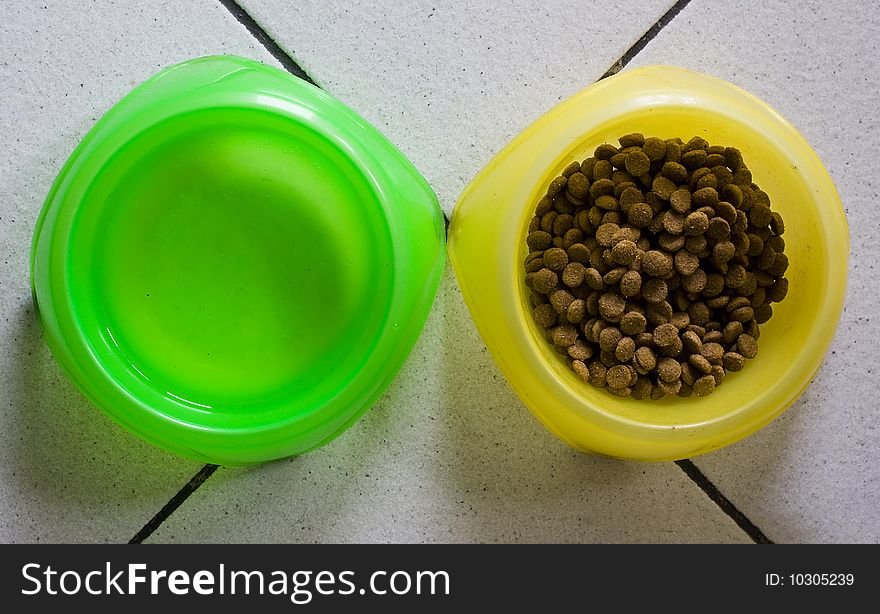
(234, 265)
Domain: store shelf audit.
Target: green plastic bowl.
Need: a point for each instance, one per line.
(232, 264)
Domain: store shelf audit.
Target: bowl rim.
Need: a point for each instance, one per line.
(572, 417)
(407, 205)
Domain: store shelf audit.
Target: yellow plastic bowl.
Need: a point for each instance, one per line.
(487, 247)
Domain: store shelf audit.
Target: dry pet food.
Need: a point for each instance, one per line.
(653, 264)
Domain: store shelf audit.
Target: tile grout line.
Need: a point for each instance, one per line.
(257, 31)
(289, 64)
(169, 508)
(706, 485)
(646, 38)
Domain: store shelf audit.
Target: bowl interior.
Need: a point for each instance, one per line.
(776, 375)
(230, 261)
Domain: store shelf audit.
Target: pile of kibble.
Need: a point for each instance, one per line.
(651, 265)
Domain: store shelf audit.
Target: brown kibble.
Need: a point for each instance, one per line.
(618, 377)
(686, 262)
(760, 216)
(634, 139)
(654, 290)
(663, 289)
(669, 388)
(561, 300)
(732, 331)
(564, 335)
(625, 349)
(580, 350)
(624, 252)
(556, 186)
(692, 342)
(641, 389)
(598, 371)
(545, 315)
(747, 346)
(581, 369)
(605, 234)
(700, 363)
(704, 386)
(663, 187)
(723, 251)
(544, 281)
(630, 284)
(743, 314)
(637, 163)
(611, 306)
(668, 369)
(656, 263)
(645, 359)
(609, 337)
(733, 361)
(712, 352)
(665, 335)
(539, 239)
(696, 223)
(778, 290)
(673, 223)
(632, 323)
(555, 259)
(577, 311)
(718, 229)
(680, 201)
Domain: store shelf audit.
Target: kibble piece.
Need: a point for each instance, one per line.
(733, 361)
(645, 359)
(723, 251)
(696, 223)
(577, 311)
(669, 388)
(743, 314)
(625, 349)
(668, 369)
(544, 281)
(654, 148)
(611, 306)
(641, 389)
(555, 259)
(539, 239)
(656, 263)
(663, 187)
(704, 386)
(624, 252)
(609, 337)
(581, 369)
(618, 377)
(692, 342)
(747, 346)
(778, 290)
(561, 300)
(605, 234)
(700, 363)
(545, 315)
(637, 163)
(632, 323)
(680, 201)
(630, 284)
(564, 335)
(598, 371)
(634, 139)
(713, 352)
(580, 350)
(665, 335)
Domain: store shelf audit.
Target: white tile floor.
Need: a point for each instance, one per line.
(448, 453)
